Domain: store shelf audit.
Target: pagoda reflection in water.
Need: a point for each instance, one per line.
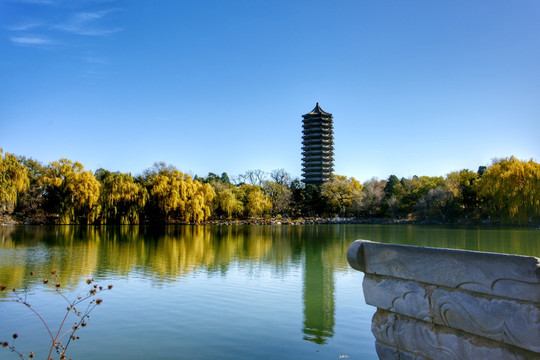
(319, 303)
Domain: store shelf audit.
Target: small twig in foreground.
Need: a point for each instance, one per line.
(57, 342)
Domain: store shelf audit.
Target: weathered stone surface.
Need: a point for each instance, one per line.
(386, 352)
(512, 322)
(400, 296)
(510, 276)
(430, 341)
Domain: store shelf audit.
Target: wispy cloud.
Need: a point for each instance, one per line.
(84, 23)
(31, 40)
(37, 2)
(24, 26)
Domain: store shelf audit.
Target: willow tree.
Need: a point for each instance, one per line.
(226, 201)
(70, 192)
(173, 195)
(256, 202)
(510, 189)
(167, 193)
(199, 201)
(13, 180)
(121, 199)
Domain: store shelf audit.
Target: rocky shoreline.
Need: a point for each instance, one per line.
(11, 220)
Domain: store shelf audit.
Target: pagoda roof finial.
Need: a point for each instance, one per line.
(318, 111)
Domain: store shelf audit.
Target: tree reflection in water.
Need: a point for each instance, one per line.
(169, 254)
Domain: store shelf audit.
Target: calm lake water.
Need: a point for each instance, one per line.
(212, 292)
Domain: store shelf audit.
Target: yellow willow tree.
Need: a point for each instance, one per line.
(256, 202)
(121, 199)
(13, 180)
(167, 193)
(226, 201)
(342, 194)
(510, 189)
(199, 201)
(70, 192)
(173, 195)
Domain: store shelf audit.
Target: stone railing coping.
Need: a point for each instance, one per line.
(507, 276)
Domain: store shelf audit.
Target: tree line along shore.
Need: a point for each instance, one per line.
(62, 192)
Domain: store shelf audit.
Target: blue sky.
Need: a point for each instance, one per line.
(415, 87)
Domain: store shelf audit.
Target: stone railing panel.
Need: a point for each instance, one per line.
(481, 305)
(400, 296)
(415, 339)
(512, 322)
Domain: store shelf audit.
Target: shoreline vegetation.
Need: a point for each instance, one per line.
(507, 192)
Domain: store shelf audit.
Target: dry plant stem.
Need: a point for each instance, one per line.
(56, 340)
(23, 301)
(58, 337)
(12, 349)
(40, 318)
(76, 327)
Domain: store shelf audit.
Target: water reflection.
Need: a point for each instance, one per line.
(319, 304)
(173, 253)
(167, 254)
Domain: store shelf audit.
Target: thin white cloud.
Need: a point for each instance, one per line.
(36, 2)
(83, 23)
(31, 40)
(24, 26)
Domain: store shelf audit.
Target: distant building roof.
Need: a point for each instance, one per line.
(317, 111)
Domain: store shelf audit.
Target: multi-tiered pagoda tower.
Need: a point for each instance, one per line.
(317, 147)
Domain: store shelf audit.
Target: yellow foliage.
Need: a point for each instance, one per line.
(512, 188)
(13, 180)
(227, 199)
(122, 199)
(342, 193)
(73, 192)
(256, 202)
(199, 204)
(177, 195)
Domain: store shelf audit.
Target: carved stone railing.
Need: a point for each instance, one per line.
(450, 304)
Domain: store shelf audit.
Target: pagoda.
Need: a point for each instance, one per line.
(317, 146)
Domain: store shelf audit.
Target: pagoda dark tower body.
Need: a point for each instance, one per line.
(317, 146)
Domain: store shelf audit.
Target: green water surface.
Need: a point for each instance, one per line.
(212, 292)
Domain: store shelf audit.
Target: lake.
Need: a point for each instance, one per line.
(212, 292)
